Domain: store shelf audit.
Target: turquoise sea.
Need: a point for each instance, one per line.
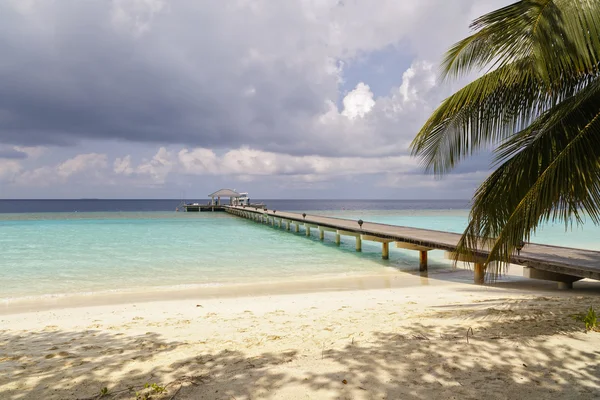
(60, 253)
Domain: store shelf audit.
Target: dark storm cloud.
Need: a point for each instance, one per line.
(71, 70)
(12, 154)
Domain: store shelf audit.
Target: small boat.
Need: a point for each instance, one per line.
(244, 201)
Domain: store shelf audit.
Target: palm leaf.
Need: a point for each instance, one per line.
(565, 32)
(549, 171)
(541, 52)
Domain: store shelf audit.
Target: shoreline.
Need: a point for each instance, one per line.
(388, 279)
(391, 279)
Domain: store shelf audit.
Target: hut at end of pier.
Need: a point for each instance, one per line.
(215, 198)
(215, 203)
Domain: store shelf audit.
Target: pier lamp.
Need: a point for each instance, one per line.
(304, 215)
(520, 246)
(274, 211)
(360, 222)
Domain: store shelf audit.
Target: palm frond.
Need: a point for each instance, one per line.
(540, 51)
(549, 171)
(486, 112)
(561, 35)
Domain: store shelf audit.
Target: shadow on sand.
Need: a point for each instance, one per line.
(511, 359)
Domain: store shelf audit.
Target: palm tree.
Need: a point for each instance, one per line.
(537, 106)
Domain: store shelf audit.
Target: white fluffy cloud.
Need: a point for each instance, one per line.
(358, 102)
(82, 166)
(249, 164)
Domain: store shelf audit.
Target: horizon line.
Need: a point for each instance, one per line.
(194, 198)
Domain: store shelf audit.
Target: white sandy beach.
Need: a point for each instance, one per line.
(385, 343)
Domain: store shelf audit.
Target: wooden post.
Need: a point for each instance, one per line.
(385, 250)
(565, 285)
(337, 239)
(287, 224)
(358, 243)
(321, 234)
(297, 227)
(307, 230)
(422, 260)
(479, 273)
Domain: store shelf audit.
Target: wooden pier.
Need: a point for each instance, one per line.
(195, 207)
(561, 264)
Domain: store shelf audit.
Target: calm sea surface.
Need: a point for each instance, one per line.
(59, 247)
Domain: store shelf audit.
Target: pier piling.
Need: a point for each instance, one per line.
(479, 273)
(385, 250)
(423, 260)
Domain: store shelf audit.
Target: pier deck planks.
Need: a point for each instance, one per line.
(571, 261)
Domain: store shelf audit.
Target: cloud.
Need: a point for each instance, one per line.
(248, 165)
(158, 167)
(123, 166)
(116, 94)
(358, 102)
(211, 74)
(11, 153)
(82, 166)
(9, 170)
(170, 171)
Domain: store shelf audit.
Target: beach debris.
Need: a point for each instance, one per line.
(345, 382)
(199, 305)
(472, 334)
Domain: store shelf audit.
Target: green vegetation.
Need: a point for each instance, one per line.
(537, 106)
(589, 319)
(104, 392)
(155, 388)
(149, 390)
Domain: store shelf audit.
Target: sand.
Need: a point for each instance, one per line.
(386, 343)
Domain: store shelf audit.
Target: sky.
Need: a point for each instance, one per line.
(178, 98)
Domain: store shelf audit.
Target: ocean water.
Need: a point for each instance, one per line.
(57, 248)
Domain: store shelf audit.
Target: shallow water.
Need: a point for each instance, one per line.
(46, 254)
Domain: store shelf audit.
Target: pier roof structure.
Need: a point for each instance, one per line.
(224, 193)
